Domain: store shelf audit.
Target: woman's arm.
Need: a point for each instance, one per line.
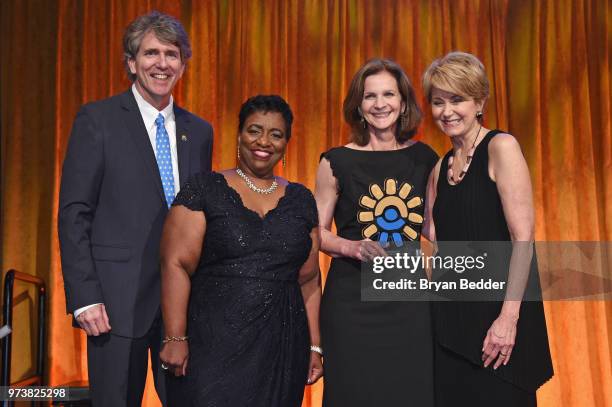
(326, 195)
(310, 282)
(508, 168)
(180, 249)
(429, 228)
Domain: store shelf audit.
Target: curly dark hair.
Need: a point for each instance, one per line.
(265, 104)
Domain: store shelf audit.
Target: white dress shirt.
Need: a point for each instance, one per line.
(149, 115)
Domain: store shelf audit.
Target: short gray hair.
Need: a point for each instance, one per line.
(165, 27)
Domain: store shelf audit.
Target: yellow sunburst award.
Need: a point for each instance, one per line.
(390, 213)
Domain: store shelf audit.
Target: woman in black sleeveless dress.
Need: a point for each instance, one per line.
(240, 277)
(486, 353)
(376, 353)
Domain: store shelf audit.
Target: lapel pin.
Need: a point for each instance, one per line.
(183, 138)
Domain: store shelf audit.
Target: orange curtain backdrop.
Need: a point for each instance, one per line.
(548, 62)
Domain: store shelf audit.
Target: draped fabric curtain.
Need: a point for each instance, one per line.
(548, 63)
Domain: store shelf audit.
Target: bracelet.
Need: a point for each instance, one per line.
(317, 349)
(175, 339)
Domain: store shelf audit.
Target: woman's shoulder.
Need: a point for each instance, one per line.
(424, 153)
(205, 178)
(425, 148)
(502, 140)
(340, 160)
(206, 184)
(505, 149)
(502, 144)
(197, 190)
(297, 189)
(334, 153)
(302, 200)
(300, 194)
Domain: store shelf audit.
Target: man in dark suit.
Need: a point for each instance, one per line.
(127, 158)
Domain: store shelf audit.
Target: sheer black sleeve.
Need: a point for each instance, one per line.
(192, 195)
(308, 207)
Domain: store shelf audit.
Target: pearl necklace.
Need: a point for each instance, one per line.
(254, 187)
(450, 174)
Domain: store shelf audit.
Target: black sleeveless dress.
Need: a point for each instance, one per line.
(472, 211)
(248, 334)
(376, 353)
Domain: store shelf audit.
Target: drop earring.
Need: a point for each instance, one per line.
(361, 118)
(403, 119)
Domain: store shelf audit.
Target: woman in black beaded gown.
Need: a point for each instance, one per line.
(491, 353)
(240, 277)
(377, 353)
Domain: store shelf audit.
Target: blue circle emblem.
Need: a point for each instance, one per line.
(391, 214)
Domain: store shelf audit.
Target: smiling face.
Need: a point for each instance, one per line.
(157, 66)
(262, 143)
(382, 102)
(454, 114)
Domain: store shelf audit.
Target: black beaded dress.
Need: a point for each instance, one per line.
(471, 211)
(248, 333)
(377, 353)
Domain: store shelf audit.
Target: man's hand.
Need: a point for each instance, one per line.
(94, 320)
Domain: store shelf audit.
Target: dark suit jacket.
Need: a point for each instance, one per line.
(112, 209)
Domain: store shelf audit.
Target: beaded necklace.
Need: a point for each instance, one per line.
(468, 161)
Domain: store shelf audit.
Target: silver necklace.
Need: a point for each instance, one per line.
(254, 187)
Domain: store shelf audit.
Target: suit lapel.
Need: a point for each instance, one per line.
(182, 143)
(138, 132)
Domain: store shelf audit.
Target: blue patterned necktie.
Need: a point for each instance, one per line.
(164, 161)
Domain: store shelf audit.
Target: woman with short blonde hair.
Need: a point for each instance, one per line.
(486, 353)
